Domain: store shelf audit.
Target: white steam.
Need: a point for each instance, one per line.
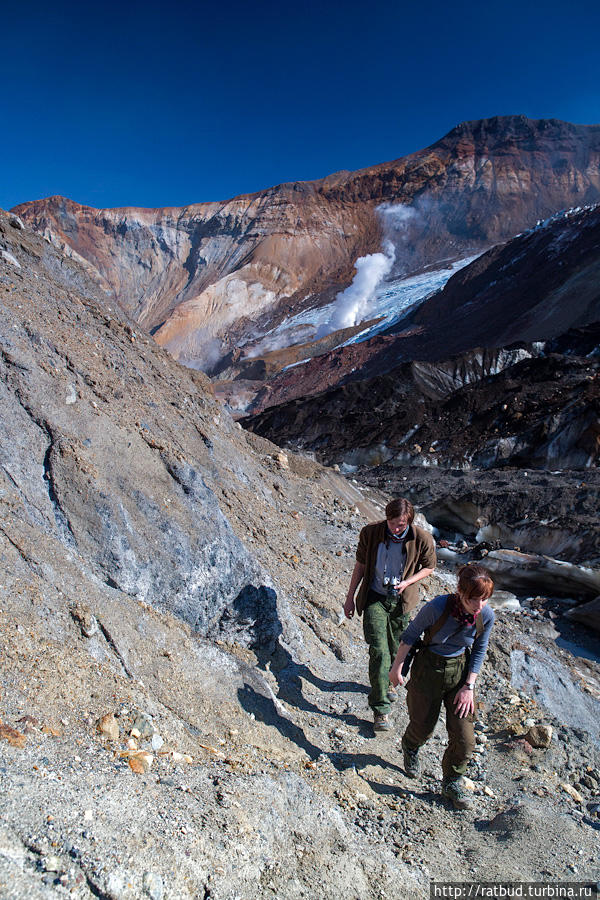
(351, 306)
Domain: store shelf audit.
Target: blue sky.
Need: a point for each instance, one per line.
(164, 104)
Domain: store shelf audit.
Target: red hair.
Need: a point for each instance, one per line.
(475, 581)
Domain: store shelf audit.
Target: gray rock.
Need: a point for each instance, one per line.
(587, 613)
(153, 886)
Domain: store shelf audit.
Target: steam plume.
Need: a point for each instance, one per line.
(351, 306)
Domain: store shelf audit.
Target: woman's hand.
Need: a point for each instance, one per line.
(464, 703)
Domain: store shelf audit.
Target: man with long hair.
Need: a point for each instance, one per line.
(391, 558)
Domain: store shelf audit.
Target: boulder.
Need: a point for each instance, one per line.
(587, 613)
(539, 736)
(527, 572)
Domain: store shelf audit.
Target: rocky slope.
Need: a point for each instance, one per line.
(209, 277)
(180, 713)
(526, 406)
(536, 286)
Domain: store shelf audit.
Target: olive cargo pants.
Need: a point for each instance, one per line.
(435, 680)
(383, 623)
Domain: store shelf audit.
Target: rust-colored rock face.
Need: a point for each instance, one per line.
(205, 277)
(533, 288)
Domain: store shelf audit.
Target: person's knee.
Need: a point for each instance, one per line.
(416, 735)
(463, 740)
(378, 650)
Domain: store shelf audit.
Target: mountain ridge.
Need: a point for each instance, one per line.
(205, 278)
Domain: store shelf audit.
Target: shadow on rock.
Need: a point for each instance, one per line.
(252, 620)
(289, 675)
(397, 790)
(264, 709)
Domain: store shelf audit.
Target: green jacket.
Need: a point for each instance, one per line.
(420, 554)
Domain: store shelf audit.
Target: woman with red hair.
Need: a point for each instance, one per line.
(456, 630)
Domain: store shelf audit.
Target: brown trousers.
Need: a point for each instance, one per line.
(435, 680)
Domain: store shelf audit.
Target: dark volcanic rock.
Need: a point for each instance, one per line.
(484, 409)
(535, 287)
(475, 442)
(552, 513)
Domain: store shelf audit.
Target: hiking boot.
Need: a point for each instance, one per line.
(392, 694)
(381, 722)
(452, 789)
(412, 766)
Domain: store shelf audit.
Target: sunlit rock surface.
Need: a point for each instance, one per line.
(208, 276)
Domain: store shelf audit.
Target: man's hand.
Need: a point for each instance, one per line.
(395, 675)
(349, 607)
(464, 703)
(401, 586)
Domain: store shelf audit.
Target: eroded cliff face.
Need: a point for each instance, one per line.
(535, 287)
(209, 276)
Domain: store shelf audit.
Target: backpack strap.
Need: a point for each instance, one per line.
(433, 629)
(479, 629)
(439, 623)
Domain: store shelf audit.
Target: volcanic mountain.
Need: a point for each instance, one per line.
(535, 287)
(182, 712)
(211, 277)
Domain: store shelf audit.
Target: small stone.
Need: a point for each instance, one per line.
(467, 783)
(157, 741)
(572, 792)
(141, 762)
(51, 730)
(107, 725)
(540, 736)
(143, 725)
(14, 737)
(152, 885)
(29, 724)
(132, 744)
(88, 816)
(488, 791)
(183, 757)
(89, 627)
(52, 864)
(282, 460)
